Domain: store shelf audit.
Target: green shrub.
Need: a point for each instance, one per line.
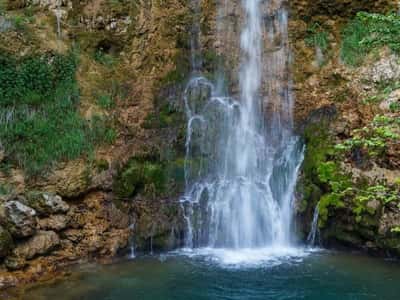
(39, 121)
(368, 32)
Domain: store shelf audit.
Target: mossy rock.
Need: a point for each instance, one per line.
(129, 180)
(6, 242)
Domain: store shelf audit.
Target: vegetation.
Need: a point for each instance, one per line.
(149, 175)
(105, 101)
(373, 138)
(368, 32)
(384, 89)
(336, 188)
(39, 121)
(164, 117)
(317, 37)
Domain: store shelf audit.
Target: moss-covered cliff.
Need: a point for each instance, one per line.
(346, 84)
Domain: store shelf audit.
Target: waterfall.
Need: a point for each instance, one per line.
(242, 157)
(312, 236)
(58, 13)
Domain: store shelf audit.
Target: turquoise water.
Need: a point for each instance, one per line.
(198, 276)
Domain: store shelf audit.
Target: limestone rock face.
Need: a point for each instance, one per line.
(47, 203)
(385, 69)
(18, 218)
(158, 226)
(69, 180)
(41, 243)
(54, 222)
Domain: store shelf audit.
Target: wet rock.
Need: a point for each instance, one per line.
(54, 222)
(19, 219)
(158, 226)
(47, 203)
(41, 243)
(6, 242)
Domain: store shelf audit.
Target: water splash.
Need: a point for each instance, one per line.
(312, 239)
(242, 157)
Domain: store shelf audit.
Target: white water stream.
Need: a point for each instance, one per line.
(242, 157)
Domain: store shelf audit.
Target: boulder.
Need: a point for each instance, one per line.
(47, 203)
(40, 244)
(54, 222)
(6, 242)
(18, 219)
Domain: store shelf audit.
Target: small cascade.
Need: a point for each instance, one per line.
(132, 253)
(319, 56)
(58, 13)
(313, 236)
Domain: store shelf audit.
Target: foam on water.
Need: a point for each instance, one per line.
(247, 257)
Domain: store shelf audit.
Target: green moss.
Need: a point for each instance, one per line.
(328, 202)
(6, 242)
(129, 180)
(318, 148)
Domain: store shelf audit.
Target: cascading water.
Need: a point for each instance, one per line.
(242, 157)
(312, 238)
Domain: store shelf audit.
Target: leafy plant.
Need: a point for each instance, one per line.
(367, 32)
(373, 138)
(395, 229)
